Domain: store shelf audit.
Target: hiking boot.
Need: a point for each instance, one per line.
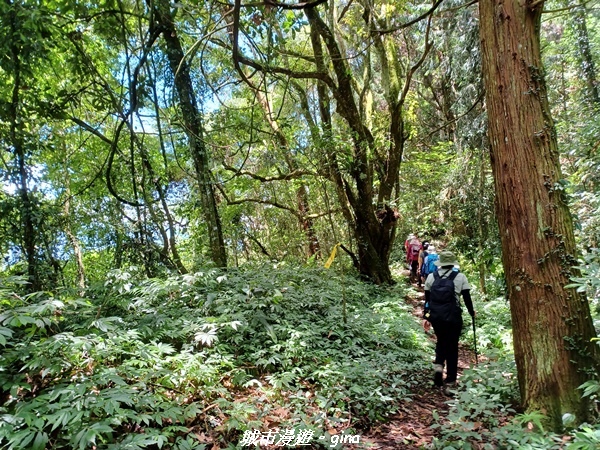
(438, 370)
(449, 389)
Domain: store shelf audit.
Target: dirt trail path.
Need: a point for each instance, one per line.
(409, 429)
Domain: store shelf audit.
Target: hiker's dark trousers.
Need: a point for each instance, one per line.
(414, 267)
(446, 348)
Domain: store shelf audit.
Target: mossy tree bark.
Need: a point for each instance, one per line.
(193, 128)
(552, 325)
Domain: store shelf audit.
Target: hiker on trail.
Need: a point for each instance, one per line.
(429, 262)
(442, 310)
(412, 256)
(424, 253)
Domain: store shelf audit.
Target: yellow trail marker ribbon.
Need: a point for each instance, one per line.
(332, 256)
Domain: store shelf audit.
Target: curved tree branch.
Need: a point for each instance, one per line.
(111, 157)
(352, 255)
(282, 5)
(263, 202)
(296, 174)
(238, 58)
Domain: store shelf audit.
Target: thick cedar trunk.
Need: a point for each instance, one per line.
(194, 130)
(552, 325)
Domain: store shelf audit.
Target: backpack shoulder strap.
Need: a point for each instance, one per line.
(453, 275)
(445, 276)
(436, 275)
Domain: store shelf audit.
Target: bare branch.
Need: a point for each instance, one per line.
(301, 5)
(257, 242)
(86, 126)
(280, 206)
(355, 261)
(535, 4)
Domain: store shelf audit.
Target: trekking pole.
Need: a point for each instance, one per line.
(474, 339)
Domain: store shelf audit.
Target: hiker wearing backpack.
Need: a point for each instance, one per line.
(412, 256)
(443, 289)
(406, 242)
(429, 262)
(422, 257)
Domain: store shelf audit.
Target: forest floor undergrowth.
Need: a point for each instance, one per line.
(410, 428)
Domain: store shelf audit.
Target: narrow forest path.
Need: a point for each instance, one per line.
(410, 428)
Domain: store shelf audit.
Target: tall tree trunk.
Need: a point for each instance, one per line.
(552, 325)
(193, 128)
(306, 222)
(118, 238)
(74, 243)
(16, 140)
(161, 192)
(373, 225)
(68, 229)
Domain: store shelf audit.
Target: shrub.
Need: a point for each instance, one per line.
(184, 361)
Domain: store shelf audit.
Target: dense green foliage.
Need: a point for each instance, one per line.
(140, 362)
(191, 360)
